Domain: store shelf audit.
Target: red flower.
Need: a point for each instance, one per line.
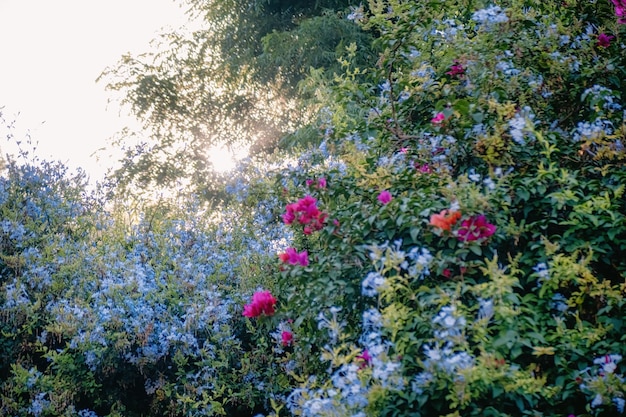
(262, 303)
(445, 219)
(286, 338)
(475, 228)
(604, 40)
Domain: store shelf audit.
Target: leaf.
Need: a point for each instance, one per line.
(476, 250)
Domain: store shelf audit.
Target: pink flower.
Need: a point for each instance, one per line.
(424, 169)
(262, 303)
(475, 228)
(321, 183)
(620, 10)
(292, 257)
(286, 338)
(404, 150)
(438, 119)
(456, 69)
(305, 211)
(604, 40)
(364, 358)
(290, 215)
(384, 197)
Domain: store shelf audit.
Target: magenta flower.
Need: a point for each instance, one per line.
(384, 197)
(262, 303)
(364, 358)
(604, 40)
(620, 10)
(321, 183)
(438, 119)
(305, 211)
(286, 338)
(291, 256)
(456, 69)
(475, 228)
(424, 169)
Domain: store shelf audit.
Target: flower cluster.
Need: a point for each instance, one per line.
(603, 384)
(604, 40)
(470, 229)
(438, 119)
(620, 11)
(320, 183)
(263, 303)
(475, 228)
(305, 212)
(456, 69)
(293, 257)
(445, 219)
(384, 197)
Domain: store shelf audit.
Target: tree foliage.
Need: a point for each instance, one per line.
(231, 81)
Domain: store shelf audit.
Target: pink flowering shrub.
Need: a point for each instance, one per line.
(494, 275)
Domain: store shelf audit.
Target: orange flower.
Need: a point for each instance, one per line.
(445, 220)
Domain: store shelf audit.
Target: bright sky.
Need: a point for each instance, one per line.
(53, 51)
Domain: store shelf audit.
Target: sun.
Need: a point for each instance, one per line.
(224, 159)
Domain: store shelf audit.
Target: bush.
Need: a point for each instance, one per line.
(453, 247)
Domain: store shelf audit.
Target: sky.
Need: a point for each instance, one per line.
(53, 52)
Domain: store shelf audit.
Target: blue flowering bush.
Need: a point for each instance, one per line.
(112, 307)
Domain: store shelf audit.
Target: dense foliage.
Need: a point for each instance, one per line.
(454, 247)
(231, 79)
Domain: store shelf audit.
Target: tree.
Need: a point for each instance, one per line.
(232, 81)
